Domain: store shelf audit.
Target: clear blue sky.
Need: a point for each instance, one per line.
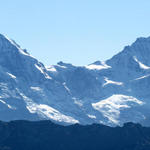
(75, 31)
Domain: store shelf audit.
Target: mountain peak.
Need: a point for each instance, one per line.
(6, 39)
(142, 39)
(61, 63)
(2, 36)
(7, 44)
(139, 49)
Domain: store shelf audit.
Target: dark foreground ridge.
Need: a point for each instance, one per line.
(45, 135)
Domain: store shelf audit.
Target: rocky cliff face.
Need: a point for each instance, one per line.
(111, 92)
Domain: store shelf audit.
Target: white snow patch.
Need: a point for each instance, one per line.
(107, 81)
(51, 113)
(41, 70)
(51, 69)
(65, 86)
(91, 116)
(7, 104)
(35, 88)
(112, 106)
(77, 102)
(98, 67)
(64, 67)
(142, 77)
(11, 75)
(142, 66)
(46, 111)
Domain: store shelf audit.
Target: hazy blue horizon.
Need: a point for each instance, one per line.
(78, 32)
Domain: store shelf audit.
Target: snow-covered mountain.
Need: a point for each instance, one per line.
(111, 92)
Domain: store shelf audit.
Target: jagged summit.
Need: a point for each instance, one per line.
(5, 41)
(10, 46)
(61, 63)
(3, 36)
(97, 63)
(140, 46)
(142, 39)
(134, 56)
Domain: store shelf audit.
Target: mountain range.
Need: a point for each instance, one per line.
(110, 92)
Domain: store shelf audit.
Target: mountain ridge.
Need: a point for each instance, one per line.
(47, 135)
(110, 92)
